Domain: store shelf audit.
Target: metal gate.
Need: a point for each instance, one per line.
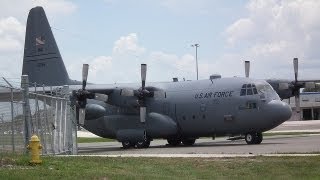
(48, 114)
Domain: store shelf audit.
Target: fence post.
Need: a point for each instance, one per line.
(65, 141)
(12, 121)
(46, 122)
(26, 108)
(2, 129)
(69, 126)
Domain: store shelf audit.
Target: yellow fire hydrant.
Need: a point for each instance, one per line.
(35, 147)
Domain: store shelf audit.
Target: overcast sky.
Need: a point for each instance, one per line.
(115, 36)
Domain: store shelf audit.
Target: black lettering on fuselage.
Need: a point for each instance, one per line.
(217, 94)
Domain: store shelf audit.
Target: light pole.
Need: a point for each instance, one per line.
(196, 46)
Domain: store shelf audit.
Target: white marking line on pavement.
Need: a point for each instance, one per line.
(193, 155)
(296, 131)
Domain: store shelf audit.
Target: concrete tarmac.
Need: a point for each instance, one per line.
(288, 126)
(298, 126)
(270, 145)
(277, 144)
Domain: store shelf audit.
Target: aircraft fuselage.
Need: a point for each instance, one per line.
(195, 109)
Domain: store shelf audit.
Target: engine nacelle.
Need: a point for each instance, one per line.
(131, 135)
(159, 125)
(94, 111)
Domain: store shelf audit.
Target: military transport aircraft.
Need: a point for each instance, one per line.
(135, 114)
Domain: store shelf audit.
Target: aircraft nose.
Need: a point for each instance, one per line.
(280, 111)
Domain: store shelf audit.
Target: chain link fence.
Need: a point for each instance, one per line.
(47, 113)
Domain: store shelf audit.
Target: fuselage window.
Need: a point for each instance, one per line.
(251, 105)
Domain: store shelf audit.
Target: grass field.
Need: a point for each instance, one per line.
(93, 139)
(16, 167)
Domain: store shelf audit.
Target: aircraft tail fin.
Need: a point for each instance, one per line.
(42, 61)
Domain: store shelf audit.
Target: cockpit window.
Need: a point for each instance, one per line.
(264, 88)
(255, 91)
(248, 89)
(266, 91)
(243, 92)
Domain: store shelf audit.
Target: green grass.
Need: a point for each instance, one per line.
(16, 167)
(93, 139)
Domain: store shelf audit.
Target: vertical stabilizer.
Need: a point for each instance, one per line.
(42, 60)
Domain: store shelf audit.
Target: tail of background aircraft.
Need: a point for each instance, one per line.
(42, 61)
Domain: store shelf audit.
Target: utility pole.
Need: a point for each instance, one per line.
(196, 46)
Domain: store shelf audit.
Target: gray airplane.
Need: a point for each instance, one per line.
(135, 114)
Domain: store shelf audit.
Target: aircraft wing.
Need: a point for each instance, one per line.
(124, 95)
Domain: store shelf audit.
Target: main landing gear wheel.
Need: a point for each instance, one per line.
(259, 138)
(126, 144)
(173, 141)
(254, 138)
(143, 144)
(188, 142)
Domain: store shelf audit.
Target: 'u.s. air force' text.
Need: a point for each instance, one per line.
(218, 94)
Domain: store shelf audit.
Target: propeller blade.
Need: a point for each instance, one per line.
(295, 67)
(247, 68)
(143, 113)
(143, 74)
(297, 101)
(82, 115)
(85, 69)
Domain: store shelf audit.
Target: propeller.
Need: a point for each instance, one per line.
(143, 75)
(85, 69)
(143, 93)
(82, 95)
(296, 85)
(247, 68)
(295, 67)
